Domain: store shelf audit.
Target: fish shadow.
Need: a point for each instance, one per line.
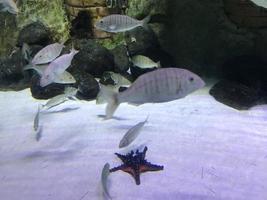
(114, 117)
(64, 110)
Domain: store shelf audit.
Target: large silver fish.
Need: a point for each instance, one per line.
(261, 3)
(47, 54)
(120, 23)
(131, 134)
(144, 62)
(9, 6)
(161, 85)
(104, 176)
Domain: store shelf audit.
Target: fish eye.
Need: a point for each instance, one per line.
(101, 22)
(191, 79)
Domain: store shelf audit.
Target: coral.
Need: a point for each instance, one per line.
(50, 13)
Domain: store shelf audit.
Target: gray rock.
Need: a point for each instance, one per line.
(88, 87)
(47, 92)
(92, 58)
(34, 33)
(12, 76)
(121, 59)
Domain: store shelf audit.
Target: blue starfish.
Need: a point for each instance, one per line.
(135, 164)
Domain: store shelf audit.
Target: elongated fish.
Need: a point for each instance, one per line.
(144, 62)
(132, 134)
(9, 6)
(104, 177)
(36, 120)
(56, 70)
(161, 85)
(59, 99)
(120, 23)
(47, 54)
(261, 3)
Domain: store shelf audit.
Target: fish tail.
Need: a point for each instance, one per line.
(111, 97)
(145, 21)
(158, 64)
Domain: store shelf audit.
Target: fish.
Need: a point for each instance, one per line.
(9, 6)
(36, 119)
(120, 23)
(56, 72)
(47, 54)
(161, 85)
(132, 134)
(144, 62)
(118, 80)
(59, 99)
(104, 176)
(261, 3)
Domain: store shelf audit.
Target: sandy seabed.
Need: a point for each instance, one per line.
(209, 151)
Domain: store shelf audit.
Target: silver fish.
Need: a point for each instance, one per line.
(9, 6)
(261, 3)
(132, 134)
(56, 70)
(161, 85)
(36, 120)
(47, 54)
(59, 99)
(120, 23)
(104, 176)
(144, 62)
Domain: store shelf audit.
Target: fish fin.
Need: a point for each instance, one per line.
(38, 68)
(26, 52)
(158, 64)
(145, 22)
(111, 97)
(102, 94)
(65, 78)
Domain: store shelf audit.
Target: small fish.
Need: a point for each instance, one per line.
(36, 120)
(47, 54)
(9, 6)
(120, 23)
(161, 85)
(132, 134)
(56, 70)
(104, 176)
(261, 3)
(59, 99)
(144, 62)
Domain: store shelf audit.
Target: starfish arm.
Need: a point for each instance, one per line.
(117, 168)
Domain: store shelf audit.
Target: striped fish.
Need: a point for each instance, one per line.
(161, 85)
(47, 54)
(120, 23)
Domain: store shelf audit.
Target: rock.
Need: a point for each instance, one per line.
(236, 95)
(92, 58)
(121, 59)
(139, 40)
(47, 92)
(88, 87)
(249, 70)
(34, 33)
(12, 76)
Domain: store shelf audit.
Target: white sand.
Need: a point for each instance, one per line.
(209, 151)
